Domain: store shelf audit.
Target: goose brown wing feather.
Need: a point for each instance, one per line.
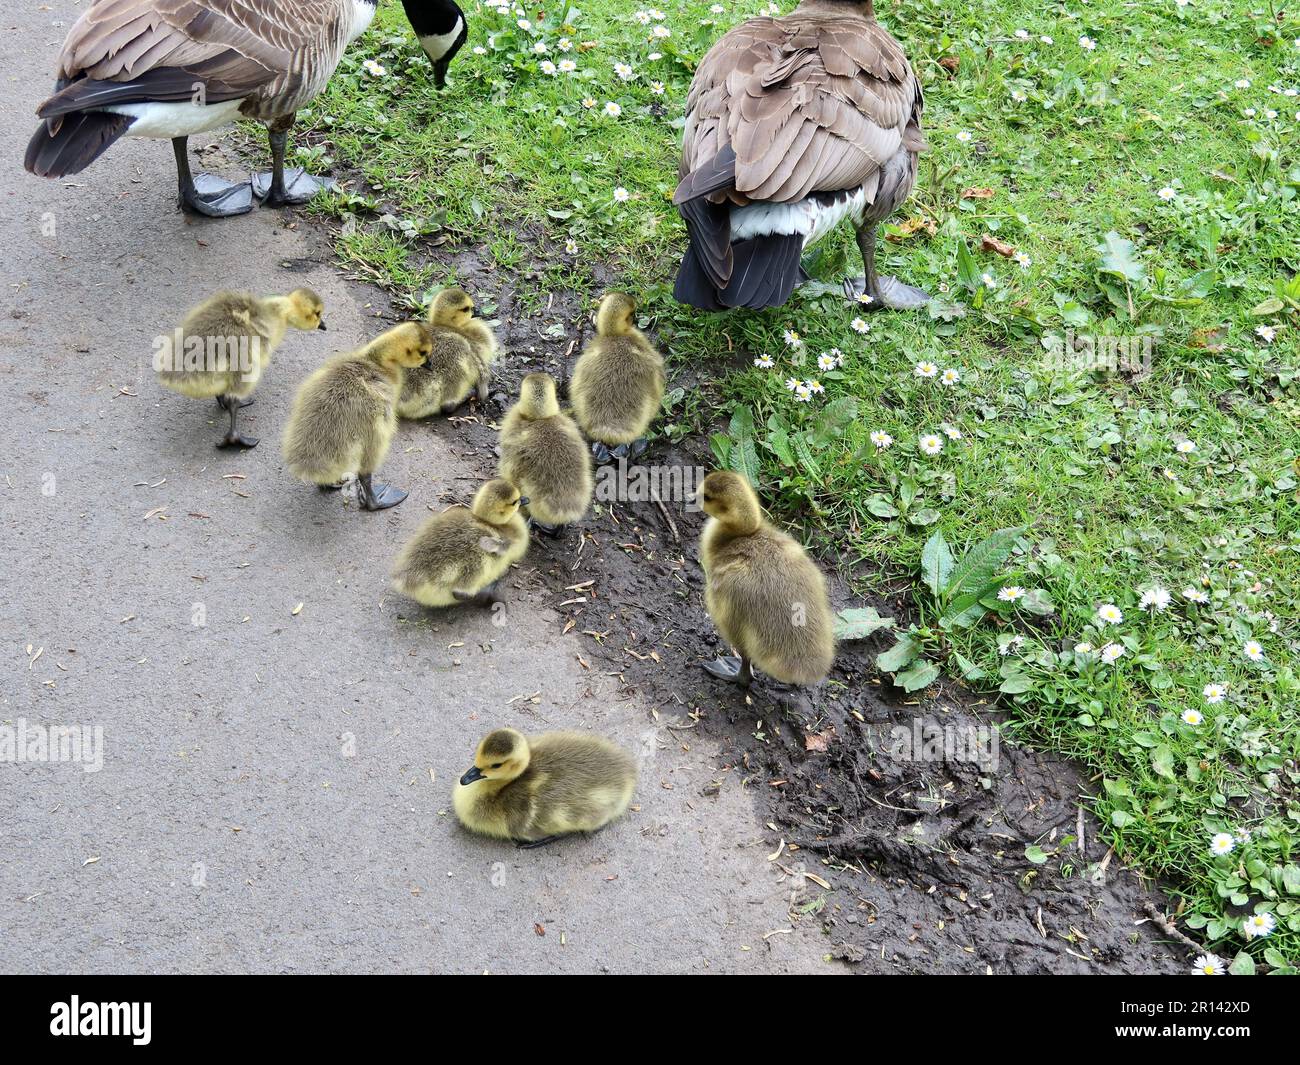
(234, 48)
(812, 102)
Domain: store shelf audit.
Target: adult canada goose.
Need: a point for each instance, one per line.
(174, 68)
(793, 125)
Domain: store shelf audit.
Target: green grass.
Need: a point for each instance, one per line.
(1067, 151)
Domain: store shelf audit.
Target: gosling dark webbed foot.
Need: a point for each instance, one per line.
(484, 597)
(529, 844)
(637, 448)
(553, 531)
(237, 440)
(224, 402)
(731, 668)
(378, 496)
(601, 453)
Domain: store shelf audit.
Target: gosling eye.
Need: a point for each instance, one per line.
(496, 765)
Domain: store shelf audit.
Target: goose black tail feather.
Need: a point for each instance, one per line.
(69, 144)
(767, 268)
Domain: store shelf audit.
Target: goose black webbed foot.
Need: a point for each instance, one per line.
(208, 194)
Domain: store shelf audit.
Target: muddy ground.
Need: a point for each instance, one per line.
(905, 865)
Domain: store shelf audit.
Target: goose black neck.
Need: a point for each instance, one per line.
(432, 18)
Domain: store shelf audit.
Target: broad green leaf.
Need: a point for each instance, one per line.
(899, 656)
(1242, 965)
(1119, 257)
(977, 567)
(857, 623)
(921, 675)
(1036, 854)
(936, 563)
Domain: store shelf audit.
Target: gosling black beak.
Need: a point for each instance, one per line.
(472, 774)
(321, 327)
(524, 501)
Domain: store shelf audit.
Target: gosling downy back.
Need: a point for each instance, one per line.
(225, 342)
(618, 382)
(766, 596)
(343, 416)
(543, 453)
(464, 550)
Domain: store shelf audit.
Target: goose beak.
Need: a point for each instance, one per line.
(321, 327)
(524, 501)
(472, 774)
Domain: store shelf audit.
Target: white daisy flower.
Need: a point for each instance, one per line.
(1024, 260)
(859, 325)
(1083, 648)
(765, 362)
(547, 67)
(1087, 43)
(661, 32)
(989, 280)
(826, 361)
(1185, 447)
(815, 387)
(654, 57)
(1046, 39)
(1222, 843)
(376, 69)
(950, 376)
(621, 195)
(1010, 593)
(964, 136)
(1110, 613)
(1192, 717)
(624, 71)
(1018, 96)
(1195, 595)
(1022, 35)
(1168, 474)
(657, 87)
(1155, 599)
(930, 443)
(1208, 965)
(803, 393)
(589, 103)
(571, 246)
(1167, 193)
(1243, 83)
(564, 44)
(568, 66)
(1266, 333)
(524, 24)
(540, 48)
(1112, 652)
(1215, 693)
(1258, 925)
(881, 439)
(1253, 650)
(642, 17)
(791, 338)
(612, 109)
(925, 369)
(951, 432)
(791, 383)
(479, 50)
